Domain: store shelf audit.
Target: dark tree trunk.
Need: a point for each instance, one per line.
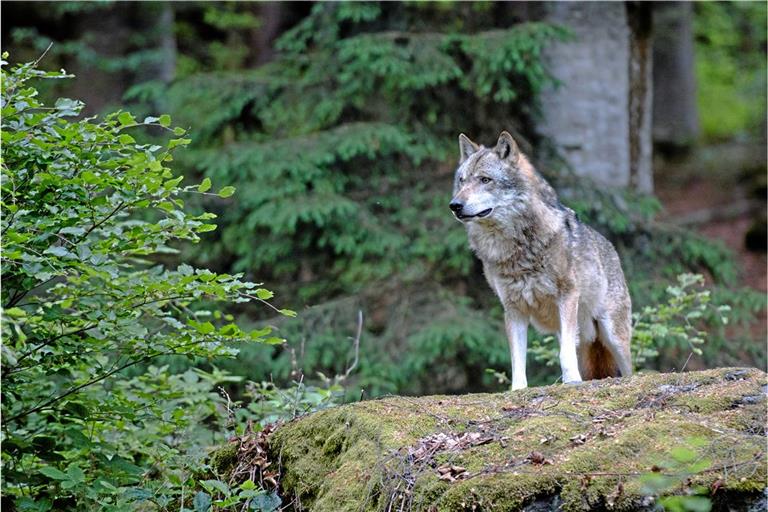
(640, 96)
(108, 30)
(271, 15)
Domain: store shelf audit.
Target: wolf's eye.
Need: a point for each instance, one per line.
(485, 179)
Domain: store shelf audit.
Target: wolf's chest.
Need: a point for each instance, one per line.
(534, 296)
(525, 290)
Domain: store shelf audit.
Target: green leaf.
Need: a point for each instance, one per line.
(287, 312)
(14, 312)
(75, 474)
(204, 228)
(248, 485)
(126, 119)
(58, 250)
(205, 328)
(267, 502)
(29, 505)
(216, 485)
(54, 473)
(264, 294)
(205, 186)
(164, 120)
(126, 139)
(201, 502)
(178, 142)
(179, 131)
(226, 191)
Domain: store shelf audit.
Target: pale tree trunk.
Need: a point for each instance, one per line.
(675, 114)
(599, 118)
(165, 24)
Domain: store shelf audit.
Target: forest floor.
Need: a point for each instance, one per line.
(720, 191)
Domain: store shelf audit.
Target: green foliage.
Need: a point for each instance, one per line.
(341, 150)
(674, 474)
(88, 214)
(731, 67)
(677, 322)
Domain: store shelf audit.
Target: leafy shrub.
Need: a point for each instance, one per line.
(88, 214)
(677, 322)
(683, 463)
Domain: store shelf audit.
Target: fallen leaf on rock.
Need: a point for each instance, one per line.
(578, 439)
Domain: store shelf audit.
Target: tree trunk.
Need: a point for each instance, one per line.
(675, 114)
(640, 97)
(108, 29)
(599, 118)
(262, 38)
(165, 23)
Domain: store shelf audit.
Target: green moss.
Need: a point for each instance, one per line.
(587, 438)
(497, 492)
(223, 460)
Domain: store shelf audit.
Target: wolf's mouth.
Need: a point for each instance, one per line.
(478, 215)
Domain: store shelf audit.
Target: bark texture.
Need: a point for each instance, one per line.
(599, 118)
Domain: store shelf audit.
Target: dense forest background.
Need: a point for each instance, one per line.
(337, 125)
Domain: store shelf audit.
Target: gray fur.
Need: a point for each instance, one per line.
(546, 267)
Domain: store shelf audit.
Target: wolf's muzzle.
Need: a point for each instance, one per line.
(456, 207)
(458, 211)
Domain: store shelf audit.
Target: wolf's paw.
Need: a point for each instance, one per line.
(573, 382)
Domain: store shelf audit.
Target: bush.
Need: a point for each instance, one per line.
(88, 214)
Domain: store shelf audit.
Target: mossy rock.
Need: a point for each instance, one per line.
(584, 447)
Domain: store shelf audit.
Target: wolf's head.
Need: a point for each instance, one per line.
(490, 183)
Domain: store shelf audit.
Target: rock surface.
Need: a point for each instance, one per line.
(586, 447)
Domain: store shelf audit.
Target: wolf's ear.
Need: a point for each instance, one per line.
(506, 148)
(466, 147)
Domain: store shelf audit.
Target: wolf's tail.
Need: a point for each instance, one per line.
(596, 361)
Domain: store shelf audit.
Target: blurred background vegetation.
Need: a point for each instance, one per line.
(337, 124)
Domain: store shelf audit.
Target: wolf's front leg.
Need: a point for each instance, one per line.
(568, 309)
(517, 333)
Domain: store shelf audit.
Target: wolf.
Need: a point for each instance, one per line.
(546, 267)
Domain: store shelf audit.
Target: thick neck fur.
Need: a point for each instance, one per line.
(518, 234)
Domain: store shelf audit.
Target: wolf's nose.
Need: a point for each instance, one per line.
(456, 207)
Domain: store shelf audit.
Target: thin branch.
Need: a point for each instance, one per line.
(102, 221)
(75, 389)
(357, 348)
(51, 340)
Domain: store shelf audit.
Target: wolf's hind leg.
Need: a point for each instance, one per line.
(615, 331)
